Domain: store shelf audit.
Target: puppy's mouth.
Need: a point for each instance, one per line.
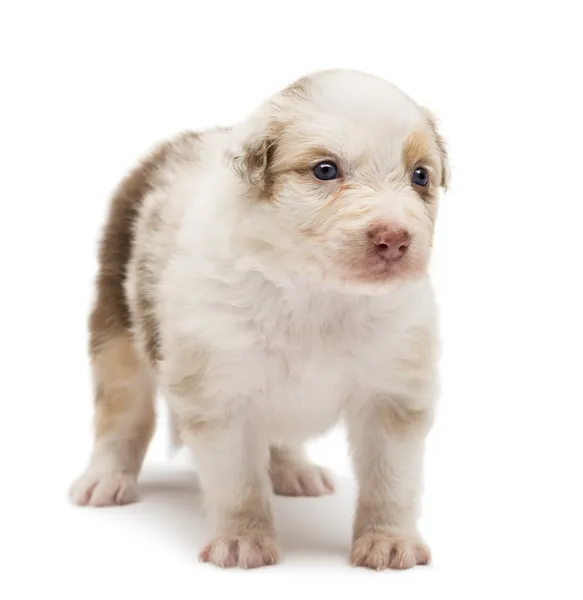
(377, 270)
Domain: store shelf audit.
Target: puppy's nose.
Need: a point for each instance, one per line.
(391, 243)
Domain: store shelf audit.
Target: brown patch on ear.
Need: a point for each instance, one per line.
(442, 148)
(253, 163)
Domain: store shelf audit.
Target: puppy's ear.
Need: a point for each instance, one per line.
(255, 143)
(442, 147)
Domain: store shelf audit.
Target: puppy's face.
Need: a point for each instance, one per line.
(347, 171)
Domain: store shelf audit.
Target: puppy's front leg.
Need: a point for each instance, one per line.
(387, 440)
(232, 456)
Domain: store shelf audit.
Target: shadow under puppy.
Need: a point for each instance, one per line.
(271, 279)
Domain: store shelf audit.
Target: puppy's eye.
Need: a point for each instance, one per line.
(325, 170)
(420, 177)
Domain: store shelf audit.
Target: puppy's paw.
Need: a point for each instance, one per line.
(245, 551)
(303, 479)
(104, 489)
(383, 551)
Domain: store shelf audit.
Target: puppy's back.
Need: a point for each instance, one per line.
(111, 315)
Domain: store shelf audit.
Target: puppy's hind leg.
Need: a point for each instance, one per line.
(124, 422)
(292, 474)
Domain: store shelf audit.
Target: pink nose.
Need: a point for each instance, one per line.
(391, 242)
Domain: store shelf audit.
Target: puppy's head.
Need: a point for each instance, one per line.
(342, 172)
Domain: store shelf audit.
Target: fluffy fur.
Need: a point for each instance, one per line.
(255, 296)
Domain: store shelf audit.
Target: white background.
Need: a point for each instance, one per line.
(86, 88)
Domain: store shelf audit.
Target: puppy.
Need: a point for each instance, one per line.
(271, 279)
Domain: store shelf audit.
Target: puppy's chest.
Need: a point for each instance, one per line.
(307, 362)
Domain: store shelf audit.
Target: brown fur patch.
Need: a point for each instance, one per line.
(117, 360)
(145, 309)
(259, 162)
(121, 389)
(110, 315)
(108, 416)
(416, 150)
(148, 321)
(292, 157)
